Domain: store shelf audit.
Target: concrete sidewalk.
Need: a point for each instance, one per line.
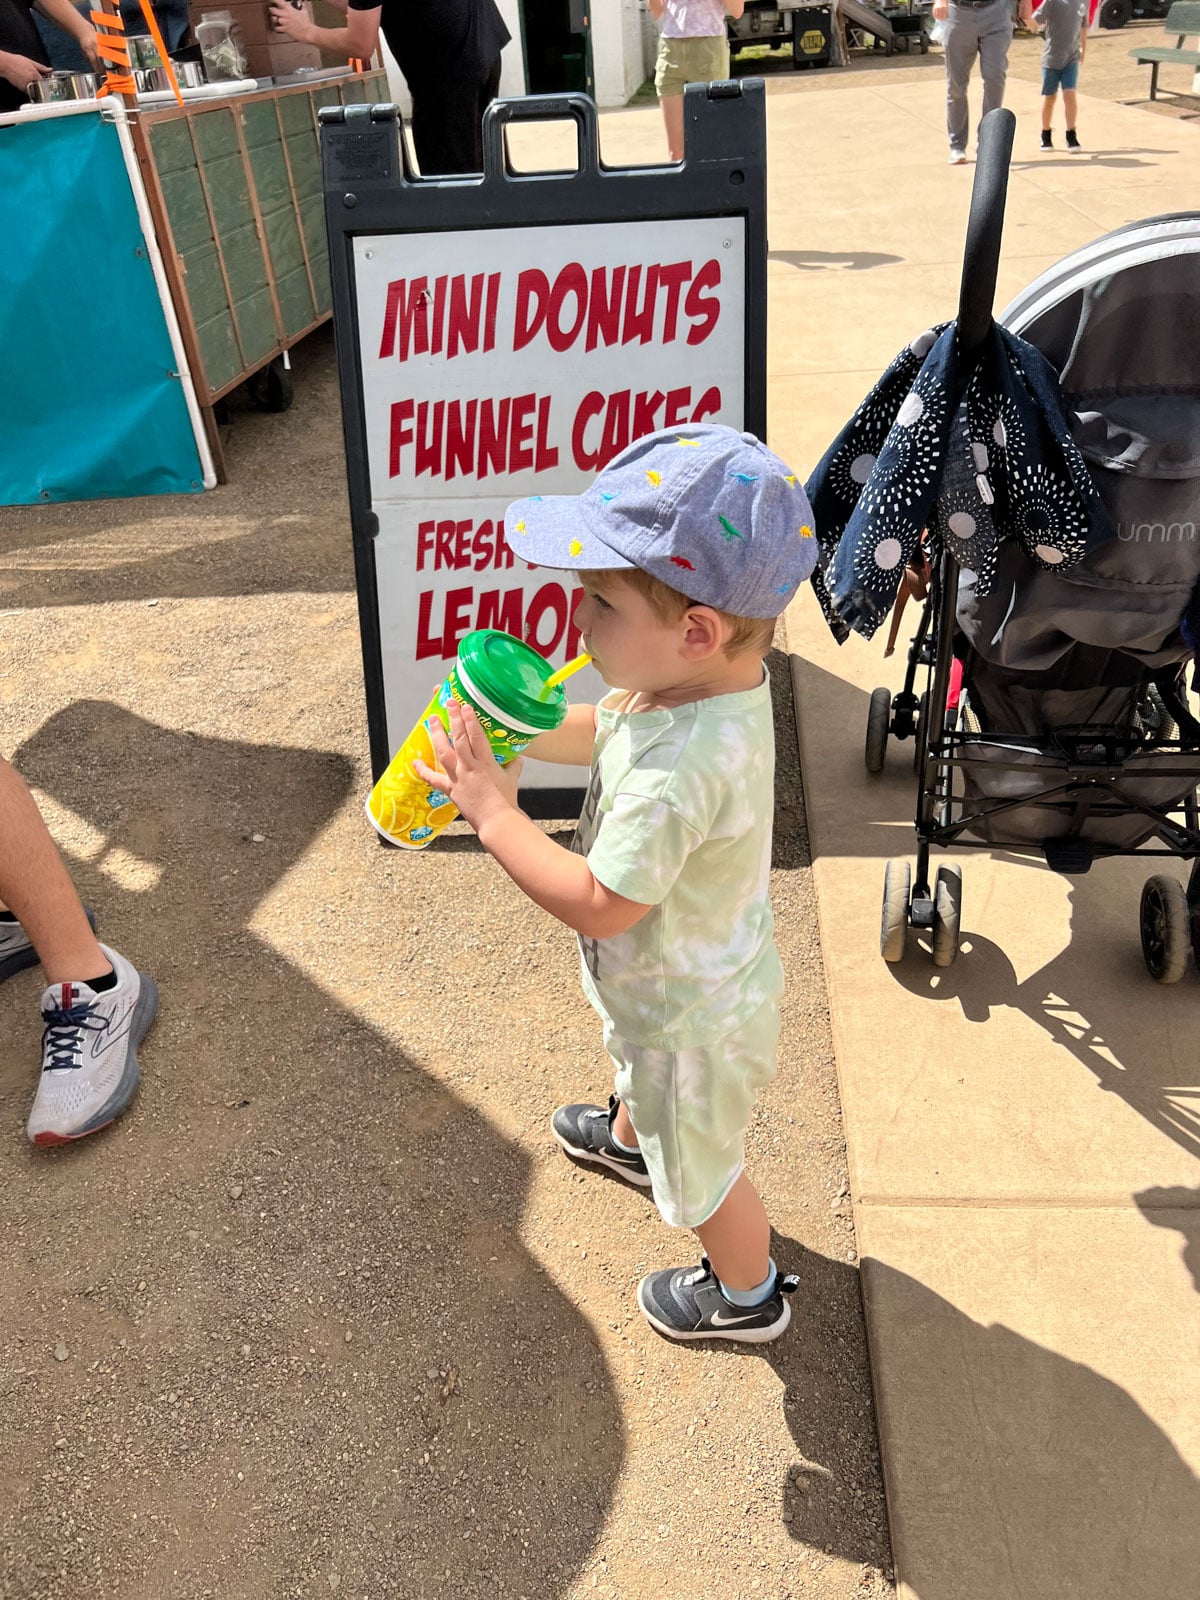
(1023, 1129)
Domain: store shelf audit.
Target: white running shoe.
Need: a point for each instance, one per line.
(89, 1053)
(958, 158)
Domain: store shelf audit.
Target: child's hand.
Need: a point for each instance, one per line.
(470, 774)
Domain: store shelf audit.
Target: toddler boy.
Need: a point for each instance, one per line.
(1064, 22)
(688, 546)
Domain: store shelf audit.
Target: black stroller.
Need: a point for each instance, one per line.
(1050, 713)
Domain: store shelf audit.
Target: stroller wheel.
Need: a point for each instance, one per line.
(947, 912)
(879, 719)
(1165, 927)
(897, 884)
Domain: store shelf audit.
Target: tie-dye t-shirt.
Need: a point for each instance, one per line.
(678, 817)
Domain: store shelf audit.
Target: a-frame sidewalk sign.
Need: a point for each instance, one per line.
(505, 335)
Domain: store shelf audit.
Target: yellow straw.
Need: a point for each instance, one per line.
(555, 678)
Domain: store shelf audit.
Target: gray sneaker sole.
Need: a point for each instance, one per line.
(735, 1335)
(640, 1180)
(144, 1014)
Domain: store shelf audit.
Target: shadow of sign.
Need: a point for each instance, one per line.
(290, 1288)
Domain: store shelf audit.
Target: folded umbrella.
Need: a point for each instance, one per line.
(976, 458)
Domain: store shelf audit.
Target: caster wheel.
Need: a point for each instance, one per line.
(271, 388)
(879, 719)
(897, 885)
(1166, 928)
(947, 914)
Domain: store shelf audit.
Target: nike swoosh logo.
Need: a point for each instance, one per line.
(721, 1321)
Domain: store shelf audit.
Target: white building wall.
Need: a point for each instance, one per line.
(618, 51)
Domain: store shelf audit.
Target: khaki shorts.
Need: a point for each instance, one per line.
(690, 1110)
(683, 61)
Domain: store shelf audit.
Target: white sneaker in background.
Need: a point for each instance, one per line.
(90, 1068)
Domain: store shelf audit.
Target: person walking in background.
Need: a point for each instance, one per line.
(693, 49)
(1064, 23)
(982, 28)
(449, 53)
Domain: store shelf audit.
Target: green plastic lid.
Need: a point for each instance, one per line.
(508, 676)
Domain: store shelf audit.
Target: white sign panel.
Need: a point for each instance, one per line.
(510, 362)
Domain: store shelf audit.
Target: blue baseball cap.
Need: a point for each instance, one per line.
(707, 510)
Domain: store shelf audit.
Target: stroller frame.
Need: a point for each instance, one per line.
(1097, 761)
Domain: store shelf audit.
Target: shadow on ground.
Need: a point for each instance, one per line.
(290, 1293)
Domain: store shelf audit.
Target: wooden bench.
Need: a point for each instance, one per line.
(1183, 20)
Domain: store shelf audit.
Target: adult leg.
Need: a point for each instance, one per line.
(962, 46)
(445, 124)
(36, 887)
(672, 111)
(995, 37)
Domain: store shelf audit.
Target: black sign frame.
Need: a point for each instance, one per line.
(370, 189)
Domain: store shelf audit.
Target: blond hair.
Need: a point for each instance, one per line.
(745, 633)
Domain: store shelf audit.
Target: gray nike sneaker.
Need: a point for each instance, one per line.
(16, 947)
(585, 1132)
(89, 1053)
(687, 1303)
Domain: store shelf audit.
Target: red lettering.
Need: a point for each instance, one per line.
(520, 434)
(550, 598)
(444, 555)
(406, 305)
(673, 278)
(604, 310)
(439, 314)
(708, 405)
(589, 407)
(489, 316)
(501, 610)
(678, 401)
(484, 546)
(458, 618)
(428, 644)
(533, 289)
(402, 412)
(644, 408)
(493, 435)
(429, 440)
(546, 455)
(463, 332)
(572, 280)
(462, 544)
(702, 309)
(639, 320)
(460, 438)
(616, 426)
(424, 542)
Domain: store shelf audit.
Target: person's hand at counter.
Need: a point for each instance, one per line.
(359, 38)
(75, 23)
(20, 70)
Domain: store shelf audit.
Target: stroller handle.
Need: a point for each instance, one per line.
(985, 228)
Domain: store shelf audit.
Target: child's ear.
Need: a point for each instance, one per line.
(703, 632)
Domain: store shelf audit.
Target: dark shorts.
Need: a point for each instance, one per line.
(1056, 78)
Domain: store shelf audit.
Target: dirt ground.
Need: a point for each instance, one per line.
(328, 1312)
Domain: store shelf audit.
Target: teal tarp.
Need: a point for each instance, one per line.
(89, 406)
